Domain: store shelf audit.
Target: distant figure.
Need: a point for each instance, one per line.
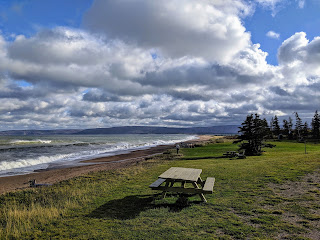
(178, 148)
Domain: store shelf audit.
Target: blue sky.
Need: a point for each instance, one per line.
(27, 17)
(98, 63)
(289, 18)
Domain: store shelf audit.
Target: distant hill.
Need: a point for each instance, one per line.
(39, 132)
(226, 129)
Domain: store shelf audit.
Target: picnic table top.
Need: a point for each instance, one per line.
(179, 173)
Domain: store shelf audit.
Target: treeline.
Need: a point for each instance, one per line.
(295, 130)
(254, 131)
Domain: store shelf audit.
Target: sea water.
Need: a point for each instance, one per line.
(25, 154)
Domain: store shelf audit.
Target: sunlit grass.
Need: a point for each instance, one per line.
(119, 205)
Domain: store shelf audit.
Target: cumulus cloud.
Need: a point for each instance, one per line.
(272, 34)
(154, 63)
(175, 27)
(299, 58)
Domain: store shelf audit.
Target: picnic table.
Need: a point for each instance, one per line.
(230, 154)
(184, 176)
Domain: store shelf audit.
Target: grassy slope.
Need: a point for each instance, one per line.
(119, 204)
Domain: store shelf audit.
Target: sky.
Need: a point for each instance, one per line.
(182, 63)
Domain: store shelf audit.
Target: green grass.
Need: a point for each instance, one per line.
(119, 205)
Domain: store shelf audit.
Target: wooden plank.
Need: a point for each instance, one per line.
(200, 194)
(169, 173)
(208, 185)
(157, 183)
(177, 173)
(194, 175)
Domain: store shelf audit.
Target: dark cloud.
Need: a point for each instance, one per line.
(278, 90)
(96, 95)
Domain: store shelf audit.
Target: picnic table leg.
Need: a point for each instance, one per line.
(200, 194)
(164, 193)
(200, 182)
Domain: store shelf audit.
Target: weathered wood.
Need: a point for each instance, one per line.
(164, 193)
(183, 175)
(177, 173)
(157, 183)
(199, 181)
(230, 154)
(200, 194)
(208, 185)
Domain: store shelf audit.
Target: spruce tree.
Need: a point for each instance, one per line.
(298, 126)
(315, 125)
(271, 125)
(276, 126)
(286, 127)
(305, 130)
(290, 125)
(253, 132)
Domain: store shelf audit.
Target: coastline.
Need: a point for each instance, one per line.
(55, 175)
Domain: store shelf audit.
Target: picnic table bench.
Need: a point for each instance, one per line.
(230, 154)
(183, 176)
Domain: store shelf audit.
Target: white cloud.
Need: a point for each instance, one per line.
(301, 3)
(272, 34)
(206, 70)
(299, 59)
(271, 4)
(175, 27)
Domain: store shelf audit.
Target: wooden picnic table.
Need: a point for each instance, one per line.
(183, 176)
(230, 154)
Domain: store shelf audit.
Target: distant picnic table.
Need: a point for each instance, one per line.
(182, 176)
(230, 154)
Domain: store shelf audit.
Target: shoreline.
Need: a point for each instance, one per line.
(55, 175)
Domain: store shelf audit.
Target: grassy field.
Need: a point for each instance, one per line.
(273, 196)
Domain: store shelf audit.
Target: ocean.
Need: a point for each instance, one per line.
(25, 154)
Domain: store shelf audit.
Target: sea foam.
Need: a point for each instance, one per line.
(34, 158)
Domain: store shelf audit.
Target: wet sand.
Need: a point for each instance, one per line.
(52, 176)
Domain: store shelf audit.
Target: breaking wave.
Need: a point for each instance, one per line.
(40, 157)
(37, 141)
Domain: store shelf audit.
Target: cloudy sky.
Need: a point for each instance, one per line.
(104, 63)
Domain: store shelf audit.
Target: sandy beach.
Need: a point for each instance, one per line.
(52, 176)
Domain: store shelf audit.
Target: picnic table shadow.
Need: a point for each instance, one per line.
(130, 207)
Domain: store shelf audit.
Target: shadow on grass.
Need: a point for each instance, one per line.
(131, 206)
(199, 158)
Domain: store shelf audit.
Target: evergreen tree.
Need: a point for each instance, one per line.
(290, 125)
(271, 125)
(305, 131)
(286, 129)
(254, 131)
(298, 126)
(275, 125)
(315, 125)
(266, 128)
